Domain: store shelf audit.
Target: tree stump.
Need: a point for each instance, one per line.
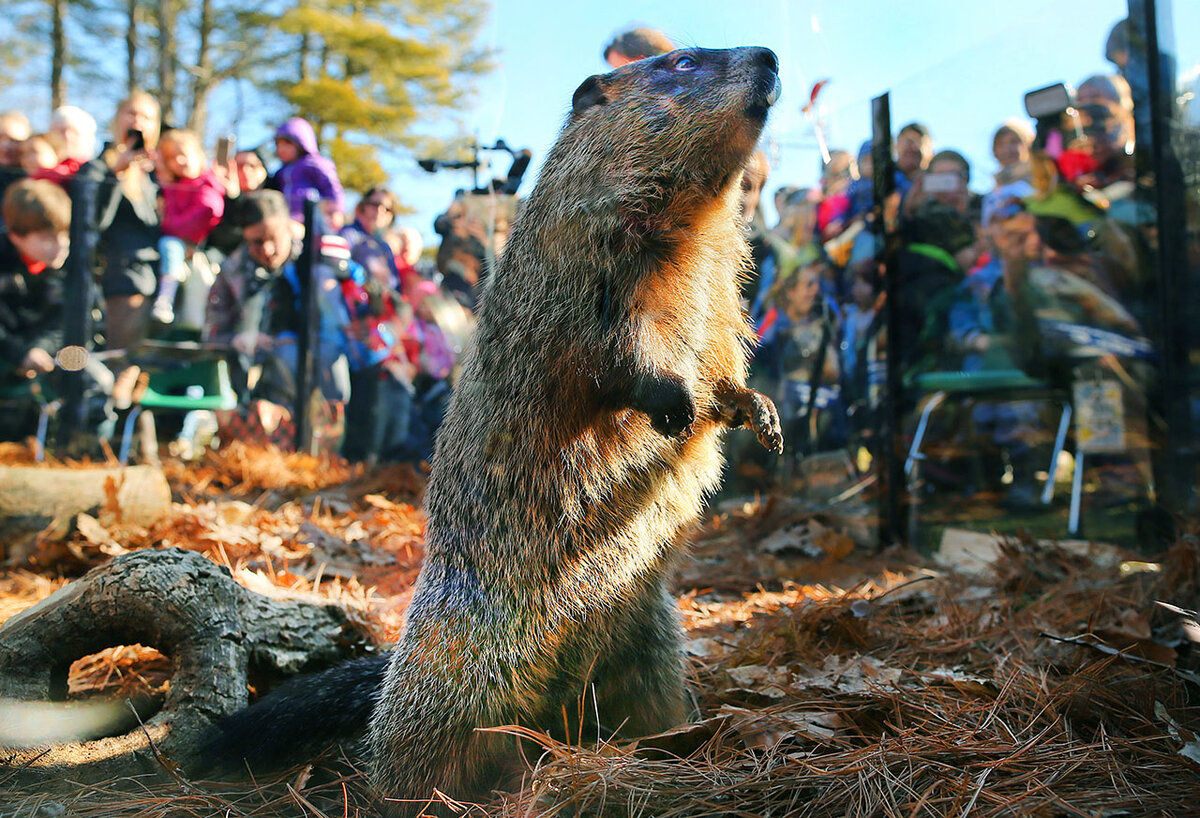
(187, 608)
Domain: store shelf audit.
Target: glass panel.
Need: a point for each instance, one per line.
(1025, 297)
(1178, 237)
(816, 330)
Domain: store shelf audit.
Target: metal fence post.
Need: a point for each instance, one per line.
(308, 333)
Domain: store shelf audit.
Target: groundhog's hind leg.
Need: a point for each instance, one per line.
(639, 682)
(423, 733)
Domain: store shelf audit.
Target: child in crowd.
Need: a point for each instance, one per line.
(406, 244)
(437, 357)
(858, 315)
(193, 201)
(799, 352)
(58, 154)
(39, 154)
(305, 170)
(38, 217)
(398, 386)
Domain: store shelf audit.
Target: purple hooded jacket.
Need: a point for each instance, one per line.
(310, 172)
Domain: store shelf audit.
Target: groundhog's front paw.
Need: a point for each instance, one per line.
(669, 404)
(743, 407)
(764, 420)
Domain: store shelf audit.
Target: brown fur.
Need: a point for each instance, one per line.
(585, 431)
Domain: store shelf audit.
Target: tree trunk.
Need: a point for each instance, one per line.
(165, 17)
(58, 55)
(131, 47)
(187, 608)
(302, 57)
(202, 76)
(44, 502)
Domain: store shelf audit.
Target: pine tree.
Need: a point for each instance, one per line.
(375, 74)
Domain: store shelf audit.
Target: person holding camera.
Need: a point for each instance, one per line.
(127, 220)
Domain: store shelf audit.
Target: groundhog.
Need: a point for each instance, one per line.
(582, 438)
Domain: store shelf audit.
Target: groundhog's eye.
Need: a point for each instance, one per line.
(685, 63)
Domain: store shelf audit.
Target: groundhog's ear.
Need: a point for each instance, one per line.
(590, 93)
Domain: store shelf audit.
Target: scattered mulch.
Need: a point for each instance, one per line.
(830, 679)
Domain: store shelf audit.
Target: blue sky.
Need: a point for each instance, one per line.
(960, 67)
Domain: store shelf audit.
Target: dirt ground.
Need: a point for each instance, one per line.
(830, 678)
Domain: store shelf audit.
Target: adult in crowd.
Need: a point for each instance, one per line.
(240, 296)
(462, 255)
(945, 180)
(76, 129)
(127, 212)
(245, 172)
(14, 129)
(940, 247)
(754, 179)
(254, 303)
(914, 150)
(636, 44)
(372, 216)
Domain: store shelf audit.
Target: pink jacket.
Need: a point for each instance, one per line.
(192, 207)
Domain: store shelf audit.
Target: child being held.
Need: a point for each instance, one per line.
(40, 154)
(193, 201)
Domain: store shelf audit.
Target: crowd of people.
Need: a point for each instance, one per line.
(193, 247)
(1045, 274)
(200, 248)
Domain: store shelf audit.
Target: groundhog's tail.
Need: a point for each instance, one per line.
(301, 717)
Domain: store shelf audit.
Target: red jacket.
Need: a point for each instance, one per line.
(192, 207)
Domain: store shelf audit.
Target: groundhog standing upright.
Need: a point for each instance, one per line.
(584, 432)
(585, 429)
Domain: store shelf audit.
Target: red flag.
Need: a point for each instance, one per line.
(812, 97)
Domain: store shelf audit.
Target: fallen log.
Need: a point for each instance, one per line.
(189, 609)
(45, 501)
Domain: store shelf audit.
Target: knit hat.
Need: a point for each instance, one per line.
(334, 248)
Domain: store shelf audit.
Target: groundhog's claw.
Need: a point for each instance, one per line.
(745, 408)
(766, 424)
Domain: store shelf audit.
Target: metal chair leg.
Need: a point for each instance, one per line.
(914, 451)
(127, 434)
(1076, 494)
(1060, 440)
(48, 411)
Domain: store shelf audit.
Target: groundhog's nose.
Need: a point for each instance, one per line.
(766, 57)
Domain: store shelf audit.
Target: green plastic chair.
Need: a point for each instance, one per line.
(993, 384)
(202, 384)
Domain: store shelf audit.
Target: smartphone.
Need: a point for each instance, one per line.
(942, 183)
(225, 149)
(135, 139)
